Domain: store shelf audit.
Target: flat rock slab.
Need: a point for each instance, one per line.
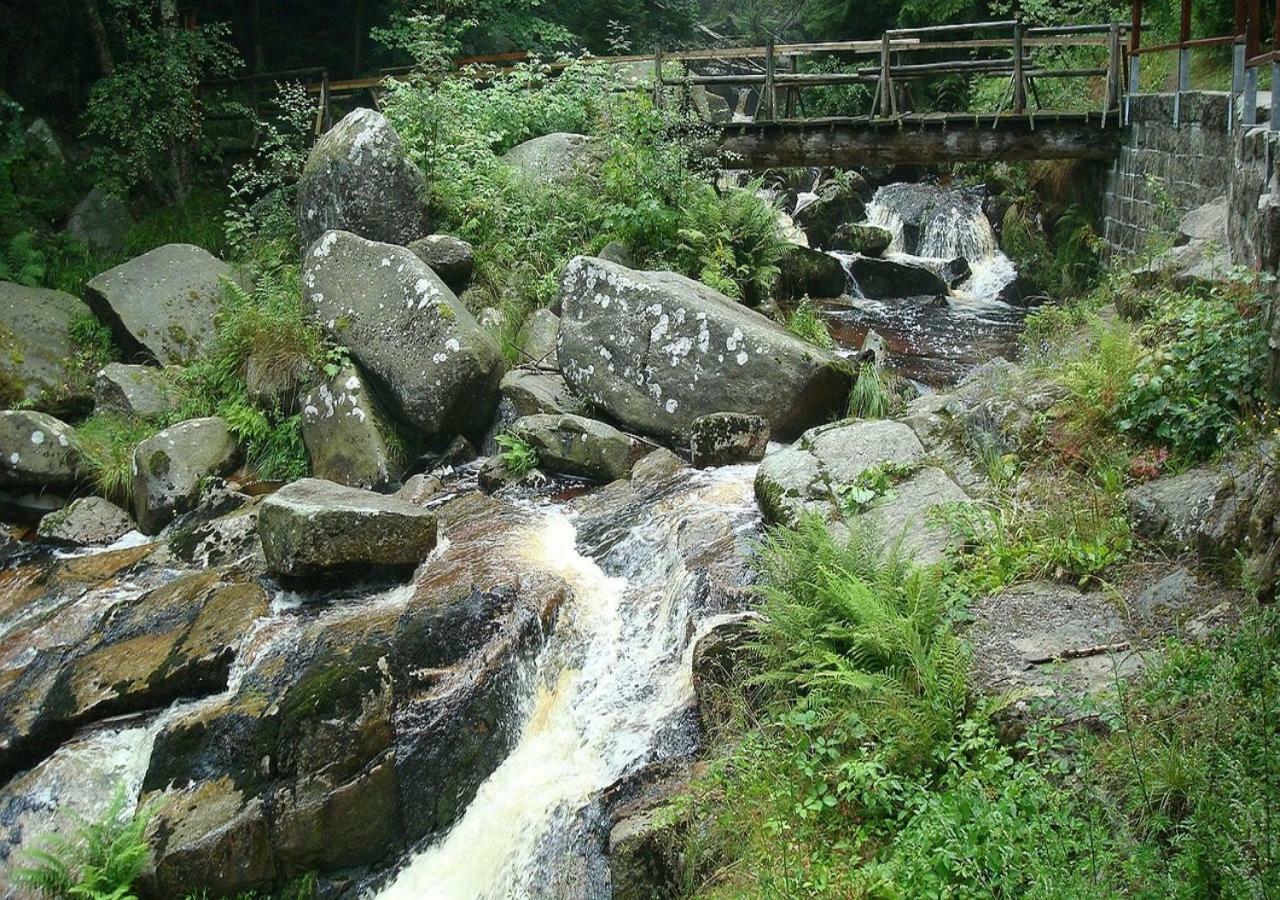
(140, 391)
(905, 519)
(312, 527)
(161, 305)
(35, 344)
(1048, 642)
(656, 350)
(87, 521)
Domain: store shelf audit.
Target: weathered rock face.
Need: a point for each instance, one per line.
(370, 728)
(430, 360)
(550, 159)
(358, 178)
(526, 393)
(869, 240)
(37, 450)
(1178, 509)
(132, 391)
(311, 528)
(453, 259)
(340, 430)
(573, 445)
(815, 474)
(887, 279)
(722, 439)
(89, 520)
(100, 221)
(804, 272)
(656, 350)
(170, 642)
(161, 305)
(538, 338)
(35, 343)
(169, 469)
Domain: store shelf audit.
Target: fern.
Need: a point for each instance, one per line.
(517, 456)
(100, 862)
(22, 261)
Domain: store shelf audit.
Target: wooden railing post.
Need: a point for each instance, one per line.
(1019, 75)
(1114, 87)
(888, 102)
(793, 92)
(768, 100)
(1184, 62)
(1135, 65)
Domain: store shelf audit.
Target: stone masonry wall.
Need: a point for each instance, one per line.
(1163, 171)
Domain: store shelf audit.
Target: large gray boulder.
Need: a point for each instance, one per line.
(527, 393)
(100, 221)
(313, 527)
(37, 450)
(538, 338)
(133, 391)
(1178, 509)
(87, 521)
(453, 259)
(358, 178)
(550, 159)
(577, 446)
(162, 304)
(169, 469)
(656, 350)
(340, 430)
(35, 345)
(430, 360)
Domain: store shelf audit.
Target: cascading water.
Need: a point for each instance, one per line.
(602, 699)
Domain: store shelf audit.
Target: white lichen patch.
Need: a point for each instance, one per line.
(37, 437)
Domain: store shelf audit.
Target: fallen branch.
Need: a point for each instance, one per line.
(1079, 653)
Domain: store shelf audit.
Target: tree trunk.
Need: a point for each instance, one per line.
(255, 32)
(101, 46)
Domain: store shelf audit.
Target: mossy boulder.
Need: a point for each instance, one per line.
(37, 450)
(87, 521)
(577, 446)
(170, 469)
(312, 527)
(359, 178)
(161, 305)
(722, 439)
(35, 347)
(809, 273)
(862, 237)
(341, 433)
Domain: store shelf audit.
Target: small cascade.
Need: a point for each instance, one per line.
(935, 224)
(609, 693)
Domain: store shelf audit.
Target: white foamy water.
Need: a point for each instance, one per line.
(614, 672)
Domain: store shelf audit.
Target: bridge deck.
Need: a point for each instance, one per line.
(927, 138)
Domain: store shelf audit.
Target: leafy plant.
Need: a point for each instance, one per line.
(518, 457)
(871, 485)
(23, 261)
(805, 323)
(101, 861)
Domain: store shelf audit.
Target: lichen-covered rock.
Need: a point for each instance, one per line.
(340, 430)
(161, 305)
(436, 368)
(723, 439)
(89, 520)
(358, 178)
(574, 445)
(100, 221)
(550, 159)
(1177, 509)
(133, 391)
(903, 521)
(656, 350)
(35, 345)
(37, 450)
(169, 469)
(890, 279)
(538, 338)
(311, 528)
(809, 273)
(453, 259)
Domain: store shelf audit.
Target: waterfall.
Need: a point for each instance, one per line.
(602, 699)
(933, 223)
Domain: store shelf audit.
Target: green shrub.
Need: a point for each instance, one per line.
(101, 861)
(107, 442)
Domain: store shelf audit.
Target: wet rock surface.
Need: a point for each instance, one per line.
(723, 439)
(428, 358)
(358, 178)
(161, 305)
(655, 351)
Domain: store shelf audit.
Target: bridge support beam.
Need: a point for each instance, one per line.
(924, 140)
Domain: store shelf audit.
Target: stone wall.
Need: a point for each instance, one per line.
(1163, 170)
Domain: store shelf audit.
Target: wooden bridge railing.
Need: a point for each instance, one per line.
(1005, 48)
